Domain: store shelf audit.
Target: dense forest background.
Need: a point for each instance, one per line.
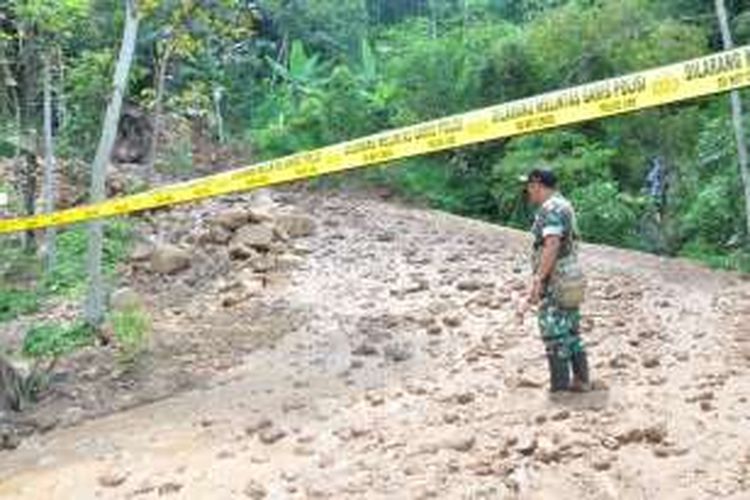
(268, 78)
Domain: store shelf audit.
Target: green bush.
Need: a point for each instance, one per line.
(603, 214)
(577, 160)
(52, 340)
(14, 303)
(131, 328)
(69, 273)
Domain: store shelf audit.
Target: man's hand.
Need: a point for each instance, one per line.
(535, 293)
(532, 299)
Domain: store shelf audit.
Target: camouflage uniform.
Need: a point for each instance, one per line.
(559, 327)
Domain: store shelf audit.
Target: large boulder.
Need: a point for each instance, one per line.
(169, 259)
(141, 251)
(256, 236)
(232, 219)
(125, 299)
(295, 225)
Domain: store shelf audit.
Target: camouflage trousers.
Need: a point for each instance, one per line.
(560, 329)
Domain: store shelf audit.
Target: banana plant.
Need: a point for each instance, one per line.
(304, 74)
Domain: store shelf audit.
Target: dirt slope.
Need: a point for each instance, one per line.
(408, 378)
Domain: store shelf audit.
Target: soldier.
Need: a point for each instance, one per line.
(557, 284)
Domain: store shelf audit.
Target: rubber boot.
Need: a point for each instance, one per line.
(559, 371)
(581, 380)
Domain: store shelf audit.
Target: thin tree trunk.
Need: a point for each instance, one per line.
(27, 136)
(433, 19)
(217, 111)
(465, 9)
(94, 310)
(62, 108)
(739, 131)
(158, 111)
(48, 188)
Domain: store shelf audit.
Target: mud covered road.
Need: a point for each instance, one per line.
(404, 375)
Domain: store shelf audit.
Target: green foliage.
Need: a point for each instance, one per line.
(87, 91)
(69, 274)
(52, 340)
(296, 75)
(578, 161)
(715, 215)
(14, 303)
(178, 159)
(131, 328)
(604, 216)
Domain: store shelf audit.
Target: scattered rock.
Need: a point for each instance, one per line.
(365, 349)
(417, 286)
(560, 415)
(451, 418)
(239, 251)
(215, 235)
(112, 479)
(706, 406)
(303, 451)
(398, 352)
(469, 285)
(255, 491)
(434, 330)
(169, 488)
(602, 463)
(547, 452)
(528, 382)
(231, 219)
(125, 299)
(262, 263)
(257, 426)
(459, 442)
(465, 398)
(651, 361)
(526, 444)
(260, 215)
(169, 259)
(452, 321)
(703, 396)
(655, 434)
(272, 435)
(610, 443)
(375, 398)
(289, 262)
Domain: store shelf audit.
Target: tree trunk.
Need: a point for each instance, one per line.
(27, 135)
(94, 310)
(48, 188)
(158, 111)
(217, 94)
(433, 19)
(11, 386)
(62, 108)
(739, 131)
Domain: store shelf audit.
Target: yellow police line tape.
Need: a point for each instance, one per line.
(703, 76)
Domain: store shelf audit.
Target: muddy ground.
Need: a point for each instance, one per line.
(389, 365)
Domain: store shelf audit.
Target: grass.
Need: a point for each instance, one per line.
(131, 328)
(16, 302)
(737, 260)
(52, 340)
(24, 290)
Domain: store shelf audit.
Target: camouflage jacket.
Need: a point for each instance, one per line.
(556, 217)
